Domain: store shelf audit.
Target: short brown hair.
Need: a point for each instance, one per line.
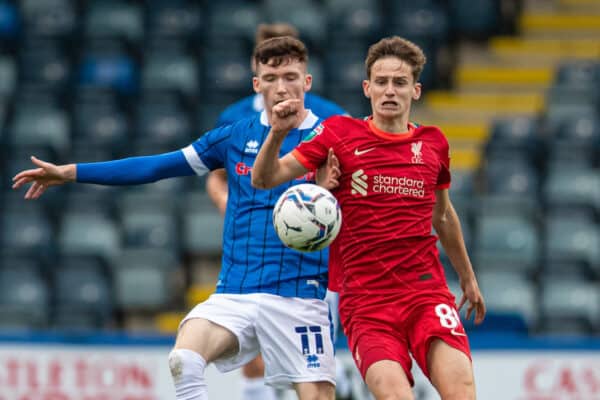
(395, 46)
(269, 31)
(279, 50)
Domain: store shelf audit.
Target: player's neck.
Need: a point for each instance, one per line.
(395, 125)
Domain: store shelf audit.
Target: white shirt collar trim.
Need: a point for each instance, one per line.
(310, 120)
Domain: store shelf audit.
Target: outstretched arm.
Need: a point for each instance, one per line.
(447, 226)
(128, 171)
(269, 170)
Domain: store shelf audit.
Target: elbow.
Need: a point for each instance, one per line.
(258, 183)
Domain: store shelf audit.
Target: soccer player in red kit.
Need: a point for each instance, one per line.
(393, 187)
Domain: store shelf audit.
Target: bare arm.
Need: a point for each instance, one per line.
(216, 187)
(269, 170)
(447, 225)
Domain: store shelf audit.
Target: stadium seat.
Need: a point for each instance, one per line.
(571, 303)
(81, 287)
(43, 63)
(574, 140)
(8, 76)
(143, 279)
(24, 299)
(174, 20)
(476, 20)
(507, 292)
(9, 25)
(346, 67)
(114, 20)
(40, 125)
(353, 18)
(509, 242)
(572, 187)
(49, 18)
(578, 72)
(89, 234)
(202, 225)
(227, 72)
(573, 243)
(163, 126)
(515, 136)
(106, 65)
(149, 228)
(307, 15)
(27, 231)
(517, 178)
(233, 20)
(100, 125)
(170, 70)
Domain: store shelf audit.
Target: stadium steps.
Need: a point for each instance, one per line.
(508, 76)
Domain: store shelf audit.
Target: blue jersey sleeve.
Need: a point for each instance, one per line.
(210, 150)
(134, 170)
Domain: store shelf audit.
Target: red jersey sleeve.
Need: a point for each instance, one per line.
(443, 180)
(312, 151)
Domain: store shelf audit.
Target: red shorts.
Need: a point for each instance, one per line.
(393, 327)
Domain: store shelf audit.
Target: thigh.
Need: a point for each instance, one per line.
(386, 379)
(295, 340)
(432, 321)
(234, 314)
(451, 372)
(206, 338)
(315, 391)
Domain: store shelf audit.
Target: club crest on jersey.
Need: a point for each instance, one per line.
(317, 131)
(251, 147)
(417, 157)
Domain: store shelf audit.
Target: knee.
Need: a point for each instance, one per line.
(461, 390)
(385, 389)
(184, 362)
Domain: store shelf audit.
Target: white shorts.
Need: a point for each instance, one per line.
(292, 334)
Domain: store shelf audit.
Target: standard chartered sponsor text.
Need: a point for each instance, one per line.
(399, 185)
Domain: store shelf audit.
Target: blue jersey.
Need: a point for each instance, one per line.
(254, 259)
(252, 105)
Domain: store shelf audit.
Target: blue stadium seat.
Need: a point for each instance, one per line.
(107, 65)
(571, 305)
(509, 242)
(24, 299)
(143, 279)
(9, 25)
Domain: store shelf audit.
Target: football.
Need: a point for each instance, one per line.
(307, 217)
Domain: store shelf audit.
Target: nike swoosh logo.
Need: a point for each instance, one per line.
(358, 152)
(452, 331)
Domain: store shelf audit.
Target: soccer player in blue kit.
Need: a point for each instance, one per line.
(253, 387)
(269, 299)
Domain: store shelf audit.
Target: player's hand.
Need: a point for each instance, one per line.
(472, 295)
(329, 173)
(46, 175)
(285, 116)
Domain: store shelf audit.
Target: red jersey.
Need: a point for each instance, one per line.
(386, 193)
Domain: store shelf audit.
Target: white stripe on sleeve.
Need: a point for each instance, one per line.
(194, 160)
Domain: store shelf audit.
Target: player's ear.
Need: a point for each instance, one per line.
(416, 91)
(308, 79)
(256, 84)
(366, 88)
